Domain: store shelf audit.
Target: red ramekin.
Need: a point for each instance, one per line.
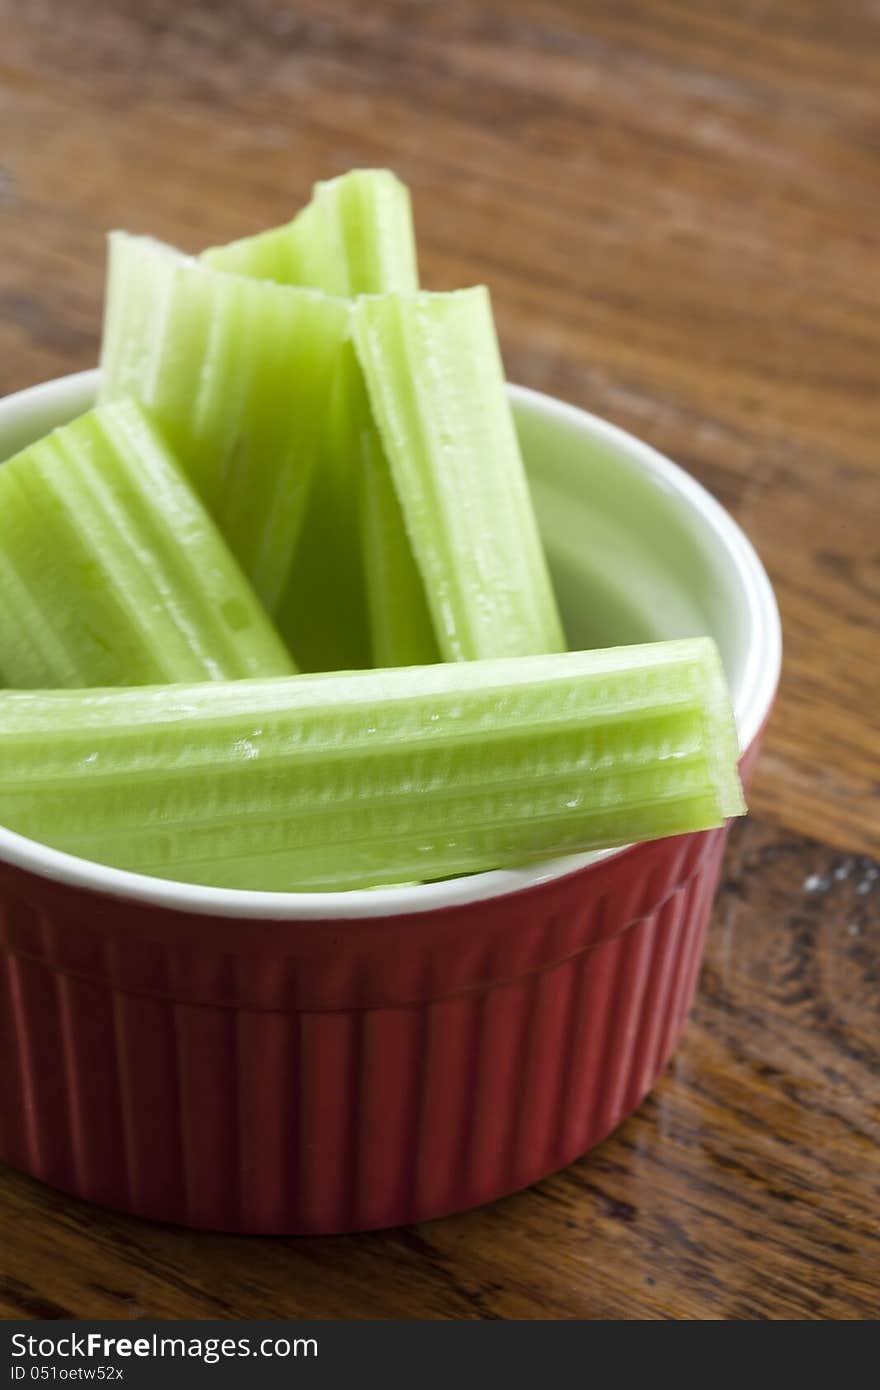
(343, 1061)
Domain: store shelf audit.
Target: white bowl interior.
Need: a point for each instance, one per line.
(638, 551)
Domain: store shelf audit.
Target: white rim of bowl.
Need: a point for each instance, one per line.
(753, 704)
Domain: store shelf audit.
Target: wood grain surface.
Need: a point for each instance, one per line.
(675, 206)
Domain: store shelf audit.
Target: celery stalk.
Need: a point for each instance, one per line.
(355, 596)
(354, 237)
(322, 613)
(237, 373)
(401, 630)
(112, 572)
(436, 386)
(347, 780)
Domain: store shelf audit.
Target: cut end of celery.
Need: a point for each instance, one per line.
(722, 737)
(354, 237)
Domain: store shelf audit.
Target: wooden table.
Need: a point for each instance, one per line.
(675, 205)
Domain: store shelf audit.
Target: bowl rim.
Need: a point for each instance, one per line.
(752, 706)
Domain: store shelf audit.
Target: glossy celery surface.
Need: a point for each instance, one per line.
(354, 237)
(436, 386)
(237, 373)
(343, 781)
(111, 570)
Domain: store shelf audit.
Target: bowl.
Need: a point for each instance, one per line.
(329, 1062)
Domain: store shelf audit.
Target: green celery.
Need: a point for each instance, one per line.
(355, 596)
(322, 613)
(354, 237)
(436, 387)
(401, 630)
(346, 781)
(354, 557)
(237, 373)
(112, 572)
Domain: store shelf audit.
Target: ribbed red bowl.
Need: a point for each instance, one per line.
(335, 1062)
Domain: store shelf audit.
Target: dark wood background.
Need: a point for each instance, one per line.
(676, 207)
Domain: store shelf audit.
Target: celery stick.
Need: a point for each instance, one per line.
(322, 613)
(355, 596)
(344, 781)
(436, 387)
(401, 630)
(237, 373)
(112, 572)
(354, 237)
